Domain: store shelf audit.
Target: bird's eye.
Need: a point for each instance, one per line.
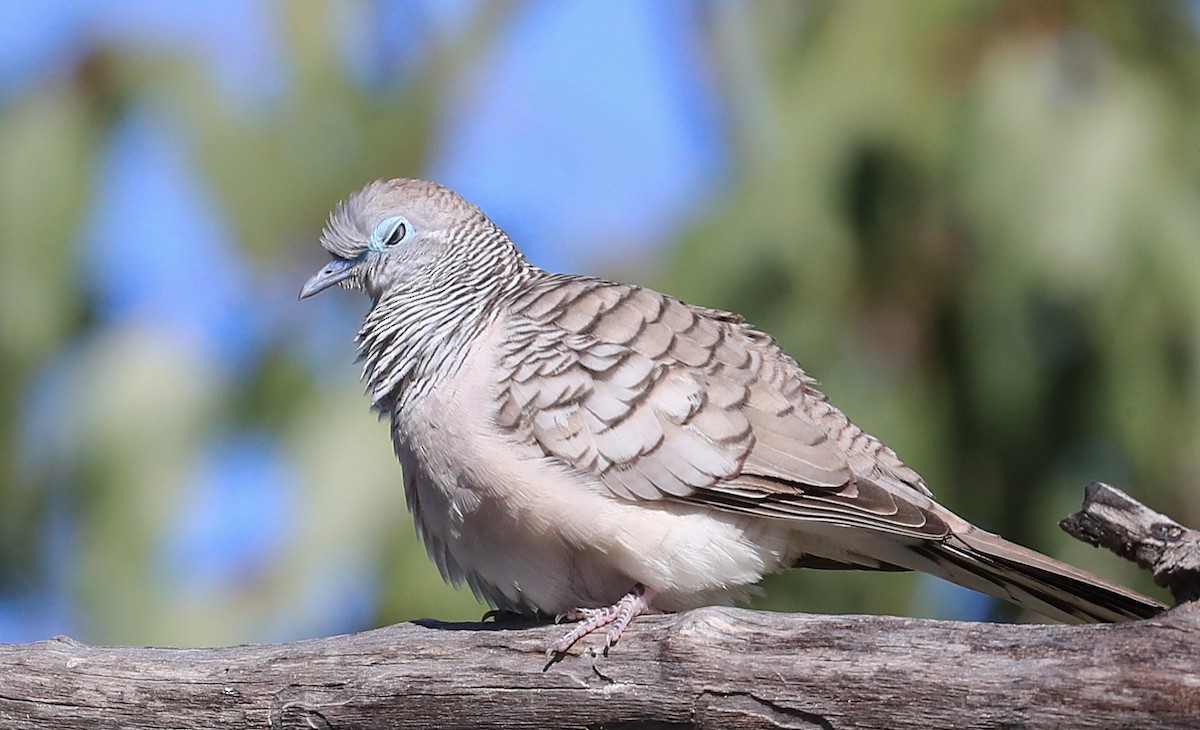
(389, 233)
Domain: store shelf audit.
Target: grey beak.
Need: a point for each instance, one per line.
(335, 271)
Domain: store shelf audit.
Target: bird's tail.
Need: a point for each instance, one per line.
(990, 564)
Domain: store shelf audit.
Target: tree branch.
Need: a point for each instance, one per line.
(709, 668)
(1114, 520)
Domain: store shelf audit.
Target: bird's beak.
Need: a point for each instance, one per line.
(335, 271)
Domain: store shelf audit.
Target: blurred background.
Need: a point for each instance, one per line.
(977, 222)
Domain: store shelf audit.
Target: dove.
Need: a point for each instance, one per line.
(581, 448)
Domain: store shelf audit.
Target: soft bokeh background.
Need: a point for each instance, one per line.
(977, 222)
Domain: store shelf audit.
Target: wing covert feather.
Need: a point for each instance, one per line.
(659, 399)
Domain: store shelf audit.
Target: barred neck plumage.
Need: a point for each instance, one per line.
(416, 336)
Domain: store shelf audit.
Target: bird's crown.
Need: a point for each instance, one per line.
(384, 212)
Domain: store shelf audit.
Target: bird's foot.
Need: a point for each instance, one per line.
(616, 617)
(505, 616)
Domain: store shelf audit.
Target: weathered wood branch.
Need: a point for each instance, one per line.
(1114, 520)
(710, 668)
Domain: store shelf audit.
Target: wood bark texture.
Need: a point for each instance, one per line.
(709, 668)
(1114, 520)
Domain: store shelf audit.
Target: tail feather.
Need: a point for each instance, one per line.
(990, 564)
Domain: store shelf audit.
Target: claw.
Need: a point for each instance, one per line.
(503, 615)
(617, 617)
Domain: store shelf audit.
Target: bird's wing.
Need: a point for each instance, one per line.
(659, 399)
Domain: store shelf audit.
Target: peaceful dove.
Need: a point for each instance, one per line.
(595, 450)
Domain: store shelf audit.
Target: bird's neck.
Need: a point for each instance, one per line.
(413, 339)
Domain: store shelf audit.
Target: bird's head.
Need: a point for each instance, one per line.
(404, 233)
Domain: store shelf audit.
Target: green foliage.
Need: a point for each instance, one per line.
(976, 222)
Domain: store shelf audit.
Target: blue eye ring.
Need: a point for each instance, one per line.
(389, 233)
